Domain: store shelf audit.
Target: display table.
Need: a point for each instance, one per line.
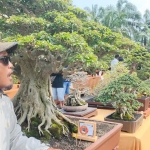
(131, 141)
(89, 112)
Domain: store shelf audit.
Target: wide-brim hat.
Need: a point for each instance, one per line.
(8, 46)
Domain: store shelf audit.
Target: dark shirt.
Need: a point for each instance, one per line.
(58, 81)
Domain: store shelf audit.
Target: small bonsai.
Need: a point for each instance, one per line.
(144, 89)
(74, 98)
(122, 93)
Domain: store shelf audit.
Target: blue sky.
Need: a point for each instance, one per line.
(141, 5)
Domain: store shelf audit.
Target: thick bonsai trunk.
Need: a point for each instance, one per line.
(34, 99)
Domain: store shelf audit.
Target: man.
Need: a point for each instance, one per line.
(57, 88)
(114, 62)
(11, 137)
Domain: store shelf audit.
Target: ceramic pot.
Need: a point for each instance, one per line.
(75, 108)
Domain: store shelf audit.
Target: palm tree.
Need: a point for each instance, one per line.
(125, 19)
(95, 12)
(145, 31)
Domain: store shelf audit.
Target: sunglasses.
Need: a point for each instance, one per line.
(5, 60)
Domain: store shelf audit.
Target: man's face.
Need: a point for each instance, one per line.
(5, 72)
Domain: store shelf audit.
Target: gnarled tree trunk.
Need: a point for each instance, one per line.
(34, 98)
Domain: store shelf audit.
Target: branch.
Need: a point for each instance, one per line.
(24, 8)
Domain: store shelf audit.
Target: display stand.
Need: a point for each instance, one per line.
(86, 131)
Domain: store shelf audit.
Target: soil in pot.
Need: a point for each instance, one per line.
(136, 116)
(69, 143)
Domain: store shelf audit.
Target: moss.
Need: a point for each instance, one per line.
(32, 133)
(35, 121)
(56, 131)
(74, 129)
(46, 135)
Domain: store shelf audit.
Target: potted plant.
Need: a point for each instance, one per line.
(108, 135)
(12, 90)
(143, 96)
(122, 94)
(74, 102)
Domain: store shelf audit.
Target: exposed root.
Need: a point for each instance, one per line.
(39, 103)
(25, 112)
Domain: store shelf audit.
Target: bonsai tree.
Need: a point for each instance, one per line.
(144, 89)
(74, 98)
(51, 34)
(122, 93)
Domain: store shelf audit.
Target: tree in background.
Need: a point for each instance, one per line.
(125, 19)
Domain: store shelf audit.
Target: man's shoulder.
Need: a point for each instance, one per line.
(6, 99)
(114, 61)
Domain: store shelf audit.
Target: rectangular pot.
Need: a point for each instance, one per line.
(128, 126)
(91, 103)
(109, 141)
(145, 101)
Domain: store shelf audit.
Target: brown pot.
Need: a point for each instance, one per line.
(100, 105)
(145, 101)
(75, 108)
(109, 141)
(16, 86)
(128, 126)
(91, 103)
(11, 93)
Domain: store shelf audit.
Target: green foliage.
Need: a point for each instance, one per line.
(56, 131)
(15, 79)
(98, 65)
(61, 24)
(56, 25)
(144, 89)
(26, 24)
(34, 130)
(60, 5)
(122, 93)
(73, 41)
(78, 12)
(109, 76)
(69, 29)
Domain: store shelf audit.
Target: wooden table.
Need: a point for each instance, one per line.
(131, 141)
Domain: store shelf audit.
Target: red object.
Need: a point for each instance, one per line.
(83, 130)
